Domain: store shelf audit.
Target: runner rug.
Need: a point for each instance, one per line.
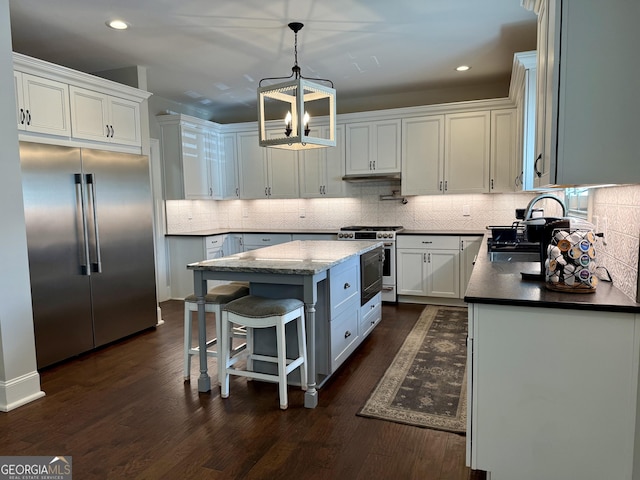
(426, 384)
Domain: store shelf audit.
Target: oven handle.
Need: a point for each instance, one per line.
(387, 289)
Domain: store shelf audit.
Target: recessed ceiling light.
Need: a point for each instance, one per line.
(463, 68)
(117, 24)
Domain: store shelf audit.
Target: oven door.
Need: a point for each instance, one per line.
(371, 270)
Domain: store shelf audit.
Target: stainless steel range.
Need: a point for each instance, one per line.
(387, 235)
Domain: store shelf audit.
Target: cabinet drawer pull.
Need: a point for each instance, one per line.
(347, 334)
(440, 187)
(426, 241)
(535, 166)
(346, 285)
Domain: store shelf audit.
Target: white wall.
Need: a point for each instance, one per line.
(19, 379)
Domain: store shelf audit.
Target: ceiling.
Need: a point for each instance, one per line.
(212, 54)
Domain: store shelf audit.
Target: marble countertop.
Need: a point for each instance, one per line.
(501, 283)
(300, 257)
(222, 231)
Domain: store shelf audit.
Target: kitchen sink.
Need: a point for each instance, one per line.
(514, 251)
(514, 256)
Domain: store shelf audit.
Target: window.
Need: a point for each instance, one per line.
(577, 201)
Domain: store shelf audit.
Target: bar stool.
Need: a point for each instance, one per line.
(259, 312)
(215, 299)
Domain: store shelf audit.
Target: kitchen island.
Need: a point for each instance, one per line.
(552, 377)
(323, 274)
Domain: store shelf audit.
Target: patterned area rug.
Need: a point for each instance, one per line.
(426, 384)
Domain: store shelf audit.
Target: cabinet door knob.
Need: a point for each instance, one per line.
(346, 286)
(347, 334)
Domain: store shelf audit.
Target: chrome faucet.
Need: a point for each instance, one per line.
(529, 210)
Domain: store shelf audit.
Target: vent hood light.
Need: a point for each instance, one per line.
(463, 68)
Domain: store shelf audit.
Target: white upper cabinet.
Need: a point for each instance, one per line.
(42, 105)
(522, 91)
(187, 158)
(266, 172)
(423, 155)
(322, 169)
(100, 117)
(52, 100)
(588, 99)
(282, 171)
(252, 165)
(373, 147)
(466, 153)
(229, 166)
(447, 153)
(504, 164)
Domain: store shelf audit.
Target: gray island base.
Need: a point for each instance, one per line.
(325, 275)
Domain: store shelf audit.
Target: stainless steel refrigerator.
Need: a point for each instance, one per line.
(90, 241)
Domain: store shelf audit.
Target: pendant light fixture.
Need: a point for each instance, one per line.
(303, 110)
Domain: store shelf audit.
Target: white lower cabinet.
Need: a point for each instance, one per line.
(344, 310)
(469, 248)
(186, 249)
(370, 315)
(428, 265)
(553, 393)
(253, 241)
(344, 336)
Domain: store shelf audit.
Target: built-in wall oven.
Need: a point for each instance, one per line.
(387, 235)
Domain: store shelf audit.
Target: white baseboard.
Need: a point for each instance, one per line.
(20, 391)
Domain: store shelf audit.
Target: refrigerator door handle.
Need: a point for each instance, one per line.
(80, 210)
(97, 265)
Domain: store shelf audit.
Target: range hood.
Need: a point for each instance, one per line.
(372, 177)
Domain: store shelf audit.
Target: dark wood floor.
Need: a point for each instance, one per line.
(124, 412)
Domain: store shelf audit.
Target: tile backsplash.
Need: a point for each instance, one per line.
(363, 207)
(616, 211)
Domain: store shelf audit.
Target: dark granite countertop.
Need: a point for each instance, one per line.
(500, 283)
(461, 233)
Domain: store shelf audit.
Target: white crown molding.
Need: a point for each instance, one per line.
(34, 66)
